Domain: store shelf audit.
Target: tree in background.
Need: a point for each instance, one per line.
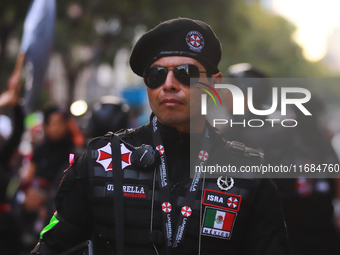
(248, 33)
(12, 15)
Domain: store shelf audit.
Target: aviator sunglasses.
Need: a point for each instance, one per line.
(156, 76)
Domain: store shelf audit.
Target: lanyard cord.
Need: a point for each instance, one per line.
(201, 217)
(152, 206)
(165, 193)
(153, 199)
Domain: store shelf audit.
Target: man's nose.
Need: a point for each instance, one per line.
(171, 83)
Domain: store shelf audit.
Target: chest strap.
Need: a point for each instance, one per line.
(117, 174)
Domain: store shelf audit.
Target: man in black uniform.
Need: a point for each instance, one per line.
(148, 204)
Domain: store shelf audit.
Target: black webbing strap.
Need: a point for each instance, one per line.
(117, 174)
(135, 236)
(85, 248)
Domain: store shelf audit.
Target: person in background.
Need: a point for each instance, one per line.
(49, 161)
(111, 113)
(313, 224)
(9, 223)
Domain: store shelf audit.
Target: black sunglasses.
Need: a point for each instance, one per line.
(156, 76)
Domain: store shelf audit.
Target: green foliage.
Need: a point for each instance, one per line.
(248, 33)
(12, 15)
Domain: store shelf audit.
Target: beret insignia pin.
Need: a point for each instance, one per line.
(195, 41)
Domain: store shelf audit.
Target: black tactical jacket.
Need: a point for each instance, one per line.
(251, 221)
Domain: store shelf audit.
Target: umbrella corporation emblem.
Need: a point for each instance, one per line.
(195, 41)
(166, 207)
(186, 211)
(160, 149)
(105, 159)
(203, 155)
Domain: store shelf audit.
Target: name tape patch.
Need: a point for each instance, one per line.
(129, 191)
(222, 200)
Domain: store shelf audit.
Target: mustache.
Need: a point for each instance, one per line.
(172, 97)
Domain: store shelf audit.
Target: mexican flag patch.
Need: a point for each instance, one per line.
(218, 223)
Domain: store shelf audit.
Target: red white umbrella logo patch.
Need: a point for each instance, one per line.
(160, 149)
(195, 41)
(203, 155)
(105, 159)
(166, 207)
(186, 211)
(232, 202)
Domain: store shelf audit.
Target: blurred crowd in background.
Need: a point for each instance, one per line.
(35, 152)
(88, 90)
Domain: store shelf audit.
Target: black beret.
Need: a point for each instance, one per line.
(177, 37)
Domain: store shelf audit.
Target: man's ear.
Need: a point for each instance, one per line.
(216, 79)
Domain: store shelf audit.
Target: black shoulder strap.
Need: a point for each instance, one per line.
(117, 174)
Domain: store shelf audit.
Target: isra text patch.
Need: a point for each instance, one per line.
(222, 200)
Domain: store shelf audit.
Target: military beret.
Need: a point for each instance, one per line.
(177, 37)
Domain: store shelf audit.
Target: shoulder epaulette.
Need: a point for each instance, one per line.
(125, 132)
(241, 149)
(122, 133)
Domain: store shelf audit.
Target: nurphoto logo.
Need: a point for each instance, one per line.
(240, 100)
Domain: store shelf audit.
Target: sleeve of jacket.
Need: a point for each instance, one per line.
(71, 224)
(265, 231)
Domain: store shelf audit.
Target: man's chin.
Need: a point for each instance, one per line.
(172, 119)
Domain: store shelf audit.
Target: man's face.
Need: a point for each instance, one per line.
(170, 102)
(56, 128)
